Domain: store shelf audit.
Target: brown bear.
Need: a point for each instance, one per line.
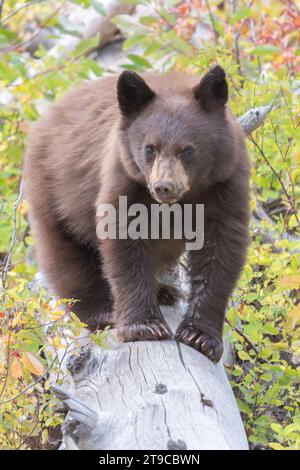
(155, 139)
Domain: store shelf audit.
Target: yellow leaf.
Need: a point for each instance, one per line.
(12, 273)
(16, 369)
(296, 157)
(23, 208)
(57, 314)
(44, 436)
(23, 126)
(33, 364)
(292, 281)
(47, 384)
(57, 341)
(281, 346)
(294, 316)
(295, 174)
(293, 221)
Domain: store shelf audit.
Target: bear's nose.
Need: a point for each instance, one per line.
(163, 189)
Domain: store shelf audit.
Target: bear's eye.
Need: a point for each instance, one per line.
(150, 151)
(187, 152)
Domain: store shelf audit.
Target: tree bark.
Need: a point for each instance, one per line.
(149, 395)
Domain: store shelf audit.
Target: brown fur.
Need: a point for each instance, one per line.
(89, 149)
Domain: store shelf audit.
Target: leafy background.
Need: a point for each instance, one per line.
(257, 42)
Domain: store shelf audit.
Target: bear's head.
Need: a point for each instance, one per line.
(178, 138)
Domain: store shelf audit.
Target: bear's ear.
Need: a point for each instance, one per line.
(212, 91)
(133, 93)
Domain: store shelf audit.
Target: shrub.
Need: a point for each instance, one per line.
(257, 45)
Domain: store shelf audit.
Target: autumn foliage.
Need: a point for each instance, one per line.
(258, 44)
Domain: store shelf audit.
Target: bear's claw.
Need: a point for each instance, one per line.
(210, 346)
(149, 330)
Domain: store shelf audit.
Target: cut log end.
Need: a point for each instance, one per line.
(254, 118)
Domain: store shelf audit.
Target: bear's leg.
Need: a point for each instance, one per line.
(214, 270)
(74, 272)
(130, 267)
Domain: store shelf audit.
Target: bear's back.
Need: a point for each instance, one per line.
(64, 155)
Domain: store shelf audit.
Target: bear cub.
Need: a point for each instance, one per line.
(154, 139)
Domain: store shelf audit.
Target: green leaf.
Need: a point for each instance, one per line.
(251, 297)
(140, 61)
(244, 407)
(293, 221)
(244, 356)
(148, 20)
(4, 42)
(98, 7)
(87, 44)
(266, 377)
(83, 3)
(128, 24)
(285, 380)
(135, 2)
(172, 3)
(270, 330)
(167, 16)
(67, 26)
(277, 428)
(276, 446)
(78, 323)
(291, 428)
(6, 37)
(232, 316)
(240, 14)
(266, 49)
(237, 371)
(265, 353)
(178, 43)
(133, 40)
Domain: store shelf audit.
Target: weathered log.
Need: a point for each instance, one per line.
(152, 395)
(92, 24)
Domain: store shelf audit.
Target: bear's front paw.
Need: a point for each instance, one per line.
(209, 345)
(147, 330)
(99, 321)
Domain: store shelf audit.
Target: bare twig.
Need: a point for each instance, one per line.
(30, 385)
(1, 7)
(8, 257)
(232, 4)
(212, 20)
(51, 69)
(28, 436)
(28, 41)
(245, 337)
(278, 177)
(7, 362)
(21, 7)
(240, 332)
(237, 33)
(284, 156)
